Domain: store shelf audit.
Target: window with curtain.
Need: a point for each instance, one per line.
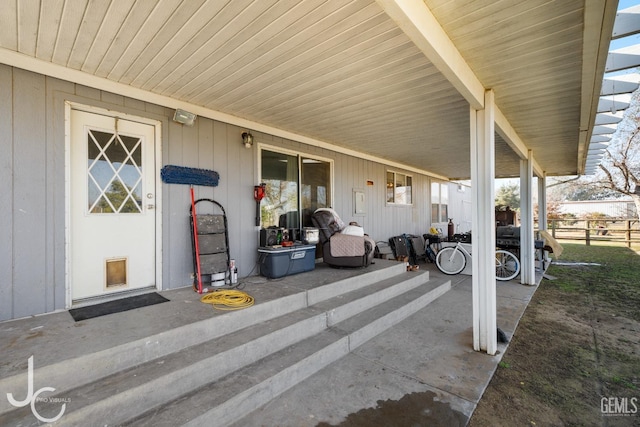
(296, 186)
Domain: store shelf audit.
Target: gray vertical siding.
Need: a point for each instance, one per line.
(32, 199)
(29, 197)
(6, 193)
(175, 210)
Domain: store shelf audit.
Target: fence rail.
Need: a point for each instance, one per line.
(625, 231)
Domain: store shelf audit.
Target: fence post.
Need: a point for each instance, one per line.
(553, 228)
(587, 233)
(628, 233)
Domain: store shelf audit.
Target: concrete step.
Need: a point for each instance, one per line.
(226, 401)
(87, 368)
(130, 392)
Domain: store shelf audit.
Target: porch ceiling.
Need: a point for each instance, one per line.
(341, 72)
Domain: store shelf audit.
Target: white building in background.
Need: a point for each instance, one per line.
(620, 208)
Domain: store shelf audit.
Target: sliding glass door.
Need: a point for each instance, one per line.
(316, 187)
(296, 186)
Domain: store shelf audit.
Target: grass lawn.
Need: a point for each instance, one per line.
(576, 352)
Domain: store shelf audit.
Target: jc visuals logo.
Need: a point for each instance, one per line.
(32, 398)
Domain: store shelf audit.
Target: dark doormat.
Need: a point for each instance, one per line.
(116, 306)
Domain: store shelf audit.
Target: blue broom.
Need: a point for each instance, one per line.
(191, 176)
(172, 174)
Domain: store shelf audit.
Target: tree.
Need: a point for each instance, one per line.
(508, 196)
(118, 195)
(619, 171)
(620, 166)
(577, 189)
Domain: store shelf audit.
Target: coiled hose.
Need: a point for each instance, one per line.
(228, 299)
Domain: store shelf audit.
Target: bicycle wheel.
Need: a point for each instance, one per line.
(507, 265)
(450, 260)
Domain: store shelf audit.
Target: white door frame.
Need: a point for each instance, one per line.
(157, 125)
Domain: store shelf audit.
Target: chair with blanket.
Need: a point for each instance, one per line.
(342, 246)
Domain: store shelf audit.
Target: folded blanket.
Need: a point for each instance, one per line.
(346, 245)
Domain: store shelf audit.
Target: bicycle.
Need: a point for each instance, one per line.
(431, 240)
(451, 260)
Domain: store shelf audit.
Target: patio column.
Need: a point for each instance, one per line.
(542, 210)
(542, 202)
(483, 223)
(527, 251)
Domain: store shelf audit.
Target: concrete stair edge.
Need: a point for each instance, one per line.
(123, 406)
(113, 402)
(263, 392)
(81, 370)
(84, 369)
(362, 335)
(351, 308)
(329, 290)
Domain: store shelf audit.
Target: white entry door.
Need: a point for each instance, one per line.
(112, 205)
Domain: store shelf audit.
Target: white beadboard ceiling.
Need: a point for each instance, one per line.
(340, 71)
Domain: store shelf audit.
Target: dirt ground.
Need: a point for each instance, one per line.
(575, 354)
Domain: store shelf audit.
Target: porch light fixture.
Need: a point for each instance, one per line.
(184, 117)
(247, 139)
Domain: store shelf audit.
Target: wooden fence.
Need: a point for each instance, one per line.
(625, 231)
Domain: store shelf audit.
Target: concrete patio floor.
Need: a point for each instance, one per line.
(425, 365)
(426, 360)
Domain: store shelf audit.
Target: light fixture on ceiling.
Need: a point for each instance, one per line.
(184, 117)
(247, 139)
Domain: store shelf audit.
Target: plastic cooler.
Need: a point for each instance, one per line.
(283, 261)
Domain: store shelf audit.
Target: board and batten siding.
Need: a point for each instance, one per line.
(33, 200)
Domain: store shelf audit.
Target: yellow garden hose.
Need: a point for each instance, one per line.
(228, 299)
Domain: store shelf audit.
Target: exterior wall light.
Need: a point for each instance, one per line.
(247, 139)
(184, 117)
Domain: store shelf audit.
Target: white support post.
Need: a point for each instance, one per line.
(483, 277)
(527, 251)
(542, 202)
(542, 213)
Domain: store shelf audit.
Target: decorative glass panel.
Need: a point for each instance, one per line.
(114, 173)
